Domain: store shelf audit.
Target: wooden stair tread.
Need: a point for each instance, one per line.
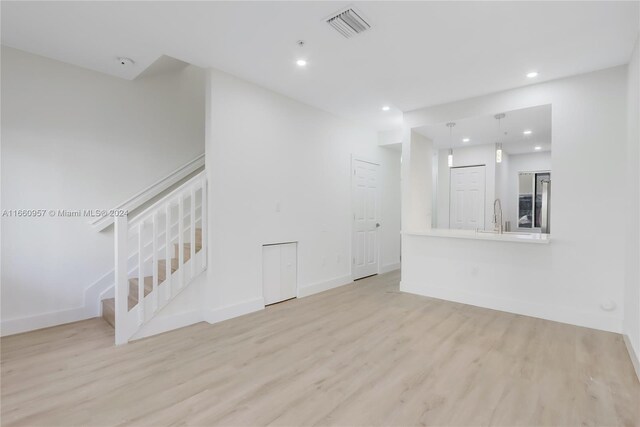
(109, 305)
(109, 311)
(187, 245)
(187, 250)
(148, 281)
(162, 263)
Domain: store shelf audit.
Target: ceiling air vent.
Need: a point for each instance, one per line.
(349, 23)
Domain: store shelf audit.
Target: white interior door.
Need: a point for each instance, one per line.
(366, 219)
(466, 197)
(279, 272)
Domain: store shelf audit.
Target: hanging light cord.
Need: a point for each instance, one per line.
(450, 125)
(499, 117)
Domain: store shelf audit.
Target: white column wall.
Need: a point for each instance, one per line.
(583, 268)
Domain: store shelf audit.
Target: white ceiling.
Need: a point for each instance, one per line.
(486, 130)
(416, 54)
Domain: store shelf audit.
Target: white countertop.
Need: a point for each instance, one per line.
(519, 237)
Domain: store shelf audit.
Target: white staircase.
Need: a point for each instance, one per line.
(168, 240)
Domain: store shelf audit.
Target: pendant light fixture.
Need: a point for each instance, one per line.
(499, 117)
(450, 125)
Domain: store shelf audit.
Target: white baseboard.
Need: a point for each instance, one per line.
(553, 313)
(45, 320)
(93, 296)
(216, 315)
(162, 324)
(633, 355)
(305, 291)
(389, 267)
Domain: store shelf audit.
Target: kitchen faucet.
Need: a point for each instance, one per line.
(497, 207)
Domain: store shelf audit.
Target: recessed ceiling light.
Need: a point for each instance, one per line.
(537, 148)
(532, 74)
(386, 108)
(301, 63)
(465, 140)
(526, 132)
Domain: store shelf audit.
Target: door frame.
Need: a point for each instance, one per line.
(358, 158)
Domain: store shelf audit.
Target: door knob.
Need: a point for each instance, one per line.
(377, 224)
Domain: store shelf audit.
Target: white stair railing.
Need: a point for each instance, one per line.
(166, 228)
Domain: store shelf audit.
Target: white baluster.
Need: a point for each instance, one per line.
(154, 259)
(204, 220)
(121, 281)
(124, 228)
(140, 275)
(193, 233)
(181, 241)
(168, 255)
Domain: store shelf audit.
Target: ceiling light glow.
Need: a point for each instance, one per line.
(386, 108)
(301, 63)
(465, 140)
(532, 74)
(526, 132)
(537, 148)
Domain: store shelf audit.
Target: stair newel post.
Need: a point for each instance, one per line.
(192, 247)
(121, 283)
(181, 241)
(167, 250)
(203, 222)
(154, 261)
(140, 274)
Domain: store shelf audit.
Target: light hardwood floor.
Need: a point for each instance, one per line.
(362, 354)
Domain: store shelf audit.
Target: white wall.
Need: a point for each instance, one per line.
(632, 273)
(583, 266)
(390, 137)
(279, 171)
(390, 200)
(421, 195)
(517, 163)
(73, 139)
